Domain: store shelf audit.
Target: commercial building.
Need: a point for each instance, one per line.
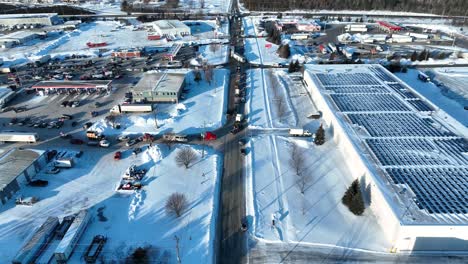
(171, 28)
(16, 20)
(17, 38)
(17, 168)
(6, 94)
(64, 86)
(411, 162)
(161, 87)
(308, 27)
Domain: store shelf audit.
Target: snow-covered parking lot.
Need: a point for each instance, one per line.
(128, 220)
(204, 107)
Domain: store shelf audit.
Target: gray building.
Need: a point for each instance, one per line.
(161, 87)
(17, 38)
(171, 28)
(17, 168)
(45, 19)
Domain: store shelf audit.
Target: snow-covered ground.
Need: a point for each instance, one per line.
(213, 54)
(315, 217)
(74, 42)
(104, 7)
(204, 107)
(209, 6)
(129, 221)
(451, 97)
(274, 100)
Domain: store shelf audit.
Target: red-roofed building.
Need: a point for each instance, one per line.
(388, 27)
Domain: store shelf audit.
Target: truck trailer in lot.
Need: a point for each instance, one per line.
(18, 137)
(132, 108)
(72, 236)
(38, 241)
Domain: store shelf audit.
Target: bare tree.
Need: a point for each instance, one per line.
(185, 157)
(297, 162)
(176, 204)
(209, 73)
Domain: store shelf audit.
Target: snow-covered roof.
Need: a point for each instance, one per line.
(11, 16)
(13, 163)
(408, 147)
(18, 35)
(170, 24)
(71, 84)
(161, 82)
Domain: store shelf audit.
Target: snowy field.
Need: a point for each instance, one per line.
(214, 54)
(129, 221)
(315, 217)
(276, 101)
(204, 108)
(451, 98)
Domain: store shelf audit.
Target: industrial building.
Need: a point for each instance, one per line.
(412, 162)
(18, 38)
(17, 168)
(171, 28)
(161, 87)
(127, 53)
(63, 86)
(6, 94)
(15, 20)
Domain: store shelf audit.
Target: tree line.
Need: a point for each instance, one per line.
(440, 7)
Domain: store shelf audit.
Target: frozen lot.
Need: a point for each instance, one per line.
(205, 106)
(315, 217)
(214, 54)
(129, 221)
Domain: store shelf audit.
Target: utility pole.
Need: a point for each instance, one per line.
(156, 118)
(177, 249)
(203, 140)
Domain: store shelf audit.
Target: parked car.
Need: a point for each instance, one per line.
(39, 183)
(74, 123)
(52, 170)
(64, 104)
(75, 104)
(76, 141)
(70, 104)
(118, 155)
(87, 125)
(123, 138)
(79, 154)
(67, 117)
(13, 121)
(104, 143)
(136, 151)
(131, 142)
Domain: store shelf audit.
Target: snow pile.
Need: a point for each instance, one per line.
(213, 55)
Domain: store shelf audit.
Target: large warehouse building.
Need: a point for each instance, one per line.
(17, 168)
(161, 87)
(62, 86)
(412, 160)
(29, 19)
(171, 28)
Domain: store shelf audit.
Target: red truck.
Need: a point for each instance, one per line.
(208, 136)
(154, 37)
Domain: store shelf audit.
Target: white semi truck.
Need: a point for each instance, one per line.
(132, 108)
(18, 137)
(296, 132)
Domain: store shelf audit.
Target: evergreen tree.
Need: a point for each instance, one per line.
(353, 199)
(297, 66)
(320, 136)
(291, 67)
(197, 77)
(414, 56)
(422, 55)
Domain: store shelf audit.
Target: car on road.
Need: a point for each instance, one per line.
(123, 138)
(131, 142)
(52, 170)
(13, 121)
(87, 125)
(76, 141)
(118, 155)
(104, 143)
(136, 151)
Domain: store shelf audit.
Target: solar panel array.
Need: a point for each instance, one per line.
(413, 150)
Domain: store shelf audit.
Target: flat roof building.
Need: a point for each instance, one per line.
(17, 168)
(171, 27)
(412, 160)
(46, 19)
(161, 87)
